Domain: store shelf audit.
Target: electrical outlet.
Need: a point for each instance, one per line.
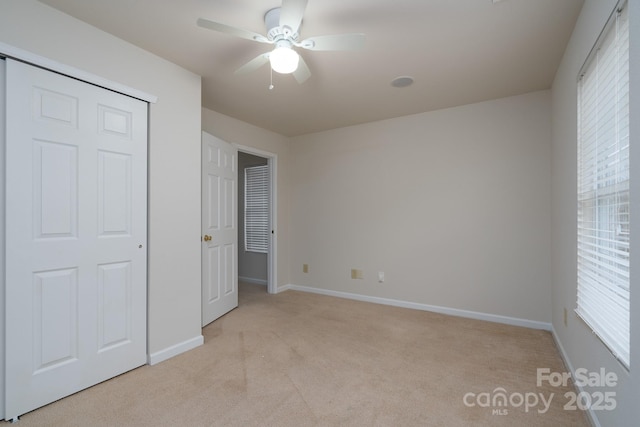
(381, 276)
(356, 274)
(565, 316)
(305, 268)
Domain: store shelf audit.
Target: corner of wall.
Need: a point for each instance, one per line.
(174, 350)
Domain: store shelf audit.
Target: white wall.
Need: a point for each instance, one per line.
(236, 131)
(452, 205)
(581, 348)
(174, 149)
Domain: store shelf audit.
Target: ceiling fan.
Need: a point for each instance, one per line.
(283, 26)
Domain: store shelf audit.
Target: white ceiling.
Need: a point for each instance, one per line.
(458, 51)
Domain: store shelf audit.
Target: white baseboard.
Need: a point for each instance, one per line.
(532, 324)
(174, 350)
(283, 288)
(591, 415)
(252, 280)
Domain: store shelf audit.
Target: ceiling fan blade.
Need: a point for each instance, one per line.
(353, 41)
(291, 13)
(238, 32)
(254, 64)
(302, 73)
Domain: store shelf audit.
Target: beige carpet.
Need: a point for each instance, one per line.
(298, 359)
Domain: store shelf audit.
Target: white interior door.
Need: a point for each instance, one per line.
(76, 198)
(219, 228)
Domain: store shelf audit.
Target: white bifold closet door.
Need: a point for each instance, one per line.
(76, 231)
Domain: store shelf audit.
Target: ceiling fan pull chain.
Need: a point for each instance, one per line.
(271, 85)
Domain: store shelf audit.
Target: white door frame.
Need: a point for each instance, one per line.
(272, 255)
(9, 51)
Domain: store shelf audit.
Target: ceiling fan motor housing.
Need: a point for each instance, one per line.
(274, 31)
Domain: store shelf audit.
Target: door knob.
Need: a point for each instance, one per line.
(207, 238)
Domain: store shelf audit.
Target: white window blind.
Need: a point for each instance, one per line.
(603, 188)
(256, 209)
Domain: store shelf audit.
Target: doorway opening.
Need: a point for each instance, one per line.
(257, 262)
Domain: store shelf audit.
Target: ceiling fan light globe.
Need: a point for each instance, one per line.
(284, 60)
